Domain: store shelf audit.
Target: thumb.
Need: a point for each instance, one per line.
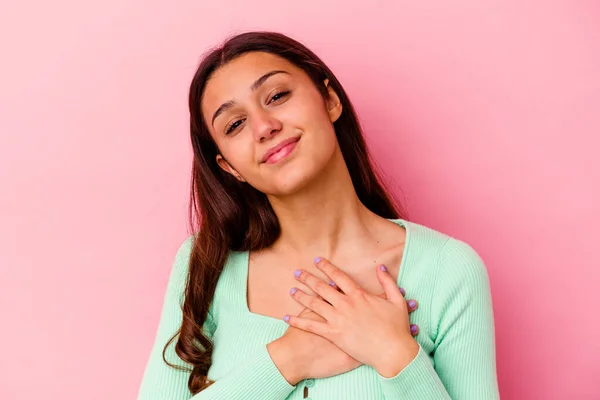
(389, 285)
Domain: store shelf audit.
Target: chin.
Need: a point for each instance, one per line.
(290, 182)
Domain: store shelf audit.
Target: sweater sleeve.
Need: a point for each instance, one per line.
(462, 323)
(257, 377)
(160, 380)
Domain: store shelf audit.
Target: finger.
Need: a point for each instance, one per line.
(324, 290)
(339, 277)
(414, 329)
(319, 297)
(389, 285)
(318, 328)
(336, 287)
(304, 311)
(402, 291)
(412, 305)
(314, 303)
(307, 313)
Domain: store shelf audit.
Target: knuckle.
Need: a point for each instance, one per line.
(335, 275)
(301, 296)
(333, 334)
(347, 304)
(359, 294)
(320, 287)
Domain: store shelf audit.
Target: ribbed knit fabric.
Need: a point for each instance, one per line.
(456, 359)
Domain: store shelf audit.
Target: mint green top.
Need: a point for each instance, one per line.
(456, 359)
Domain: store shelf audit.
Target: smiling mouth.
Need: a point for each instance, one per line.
(281, 151)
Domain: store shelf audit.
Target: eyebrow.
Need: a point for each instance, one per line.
(258, 83)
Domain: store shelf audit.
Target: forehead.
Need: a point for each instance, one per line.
(250, 66)
(235, 78)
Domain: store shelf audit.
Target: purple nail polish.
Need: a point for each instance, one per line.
(297, 273)
(383, 268)
(402, 292)
(332, 283)
(293, 290)
(286, 318)
(317, 260)
(412, 303)
(413, 328)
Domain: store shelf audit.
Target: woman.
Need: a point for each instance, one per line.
(290, 288)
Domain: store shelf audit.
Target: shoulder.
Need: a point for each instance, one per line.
(184, 249)
(446, 254)
(180, 268)
(457, 273)
(442, 265)
(229, 274)
(460, 265)
(459, 258)
(181, 262)
(450, 274)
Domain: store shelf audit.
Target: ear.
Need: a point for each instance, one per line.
(224, 165)
(334, 106)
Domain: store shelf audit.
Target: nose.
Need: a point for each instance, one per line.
(264, 125)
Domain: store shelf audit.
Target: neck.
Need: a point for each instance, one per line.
(322, 216)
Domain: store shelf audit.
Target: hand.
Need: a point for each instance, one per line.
(314, 356)
(411, 306)
(372, 330)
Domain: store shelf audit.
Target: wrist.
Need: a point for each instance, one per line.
(397, 357)
(286, 360)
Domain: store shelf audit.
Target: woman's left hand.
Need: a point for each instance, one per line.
(372, 330)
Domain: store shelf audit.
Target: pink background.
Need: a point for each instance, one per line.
(484, 113)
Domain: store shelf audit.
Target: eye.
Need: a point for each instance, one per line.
(233, 126)
(279, 96)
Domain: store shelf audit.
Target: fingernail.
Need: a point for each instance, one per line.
(332, 283)
(383, 268)
(413, 328)
(412, 303)
(317, 260)
(286, 318)
(293, 290)
(297, 273)
(403, 292)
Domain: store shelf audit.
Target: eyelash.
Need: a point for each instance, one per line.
(282, 94)
(235, 124)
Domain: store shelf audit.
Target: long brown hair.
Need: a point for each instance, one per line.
(230, 215)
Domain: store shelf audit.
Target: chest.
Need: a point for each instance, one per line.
(270, 280)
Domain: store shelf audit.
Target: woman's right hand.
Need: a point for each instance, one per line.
(316, 357)
(300, 355)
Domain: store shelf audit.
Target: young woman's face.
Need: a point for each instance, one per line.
(272, 126)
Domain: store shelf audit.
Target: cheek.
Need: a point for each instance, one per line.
(317, 120)
(239, 155)
(321, 133)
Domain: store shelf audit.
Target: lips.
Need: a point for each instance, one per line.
(278, 147)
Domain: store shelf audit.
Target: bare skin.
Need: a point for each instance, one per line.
(271, 275)
(252, 104)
